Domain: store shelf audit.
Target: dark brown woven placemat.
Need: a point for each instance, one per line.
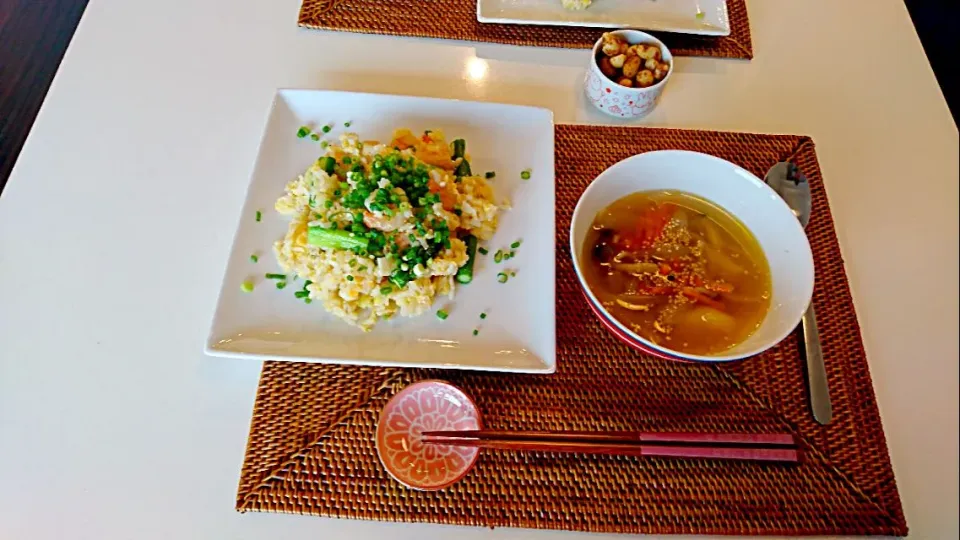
(457, 19)
(311, 447)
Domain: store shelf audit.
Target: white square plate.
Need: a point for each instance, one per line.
(663, 15)
(518, 333)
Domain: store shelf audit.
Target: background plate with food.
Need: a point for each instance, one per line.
(393, 230)
(703, 17)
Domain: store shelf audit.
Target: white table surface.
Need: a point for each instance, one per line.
(117, 221)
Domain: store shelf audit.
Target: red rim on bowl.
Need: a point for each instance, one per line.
(626, 339)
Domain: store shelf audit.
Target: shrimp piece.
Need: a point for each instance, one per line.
(382, 222)
(442, 184)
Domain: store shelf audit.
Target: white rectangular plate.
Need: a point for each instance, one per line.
(663, 15)
(518, 333)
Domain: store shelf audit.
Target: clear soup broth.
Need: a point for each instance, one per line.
(678, 270)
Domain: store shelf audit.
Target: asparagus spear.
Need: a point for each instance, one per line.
(465, 273)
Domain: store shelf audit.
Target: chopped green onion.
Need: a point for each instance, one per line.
(347, 124)
(525, 174)
(259, 216)
(324, 144)
(301, 294)
(442, 315)
(326, 129)
(701, 14)
(483, 251)
(327, 163)
(513, 274)
(246, 286)
(328, 203)
(502, 277)
(349, 278)
(475, 331)
(275, 276)
(498, 256)
(254, 258)
(303, 132)
(347, 160)
(314, 137)
(483, 315)
(515, 245)
(510, 255)
(386, 289)
(489, 175)
(281, 284)
(307, 300)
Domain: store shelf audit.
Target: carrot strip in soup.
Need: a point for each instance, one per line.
(700, 298)
(651, 224)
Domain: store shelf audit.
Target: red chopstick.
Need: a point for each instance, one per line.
(736, 446)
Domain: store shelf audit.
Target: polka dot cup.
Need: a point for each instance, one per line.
(621, 101)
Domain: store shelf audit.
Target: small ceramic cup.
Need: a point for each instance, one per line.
(622, 101)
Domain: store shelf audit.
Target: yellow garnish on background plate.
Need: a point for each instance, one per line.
(576, 4)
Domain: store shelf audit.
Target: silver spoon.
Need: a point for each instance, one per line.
(792, 186)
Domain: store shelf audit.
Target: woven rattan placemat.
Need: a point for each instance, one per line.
(457, 19)
(311, 447)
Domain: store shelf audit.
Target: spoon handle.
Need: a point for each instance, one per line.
(816, 371)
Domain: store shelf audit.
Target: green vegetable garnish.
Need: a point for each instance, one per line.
(460, 151)
(281, 284)
(498, 256)
(328, 164)
(465, 273)
(324, 144)
(258, 215)
(349, 278)
(254, 258)
(326, 129)
(525, 174)
(483, 315)
(701, 14)
(483, 251)
(275, 276)
(442, 315)
(301, 294)
(386, 289)
(347, 124)
(328, 203)
(246, 286)
(307, 300)
(314, 137)
(459, 148)
(489, 175)
(303, 132)
(515, 245)
(475, 331)
(502, 277)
